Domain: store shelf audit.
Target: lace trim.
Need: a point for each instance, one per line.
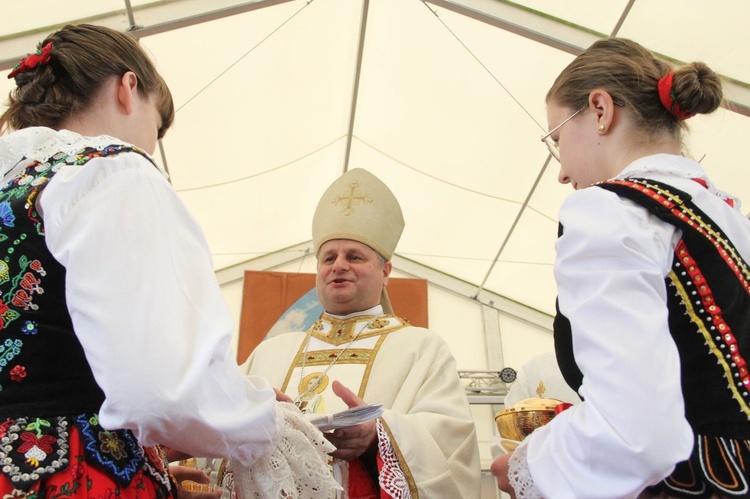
(41, 144)
(392, 479)
(519, 476)
(296, 469)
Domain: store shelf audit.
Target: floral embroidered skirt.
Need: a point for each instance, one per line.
(74, 457)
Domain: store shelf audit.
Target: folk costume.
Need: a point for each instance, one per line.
(654, 302)
(427, 443)
(95, 368)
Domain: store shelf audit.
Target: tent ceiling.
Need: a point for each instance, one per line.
(443, 100)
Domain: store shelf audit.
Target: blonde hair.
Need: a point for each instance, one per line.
(631, 74)
(82, 57)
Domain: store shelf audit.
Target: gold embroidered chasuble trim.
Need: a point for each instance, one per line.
(340, 332)
(325, 357)
(366, 376)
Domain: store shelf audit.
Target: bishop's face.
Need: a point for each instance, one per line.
(350, 277)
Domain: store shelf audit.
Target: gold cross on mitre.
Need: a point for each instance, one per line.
(351, 198)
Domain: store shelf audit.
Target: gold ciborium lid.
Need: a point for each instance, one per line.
(525, 416)
(517, 422)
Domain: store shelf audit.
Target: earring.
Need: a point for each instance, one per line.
(602, 129)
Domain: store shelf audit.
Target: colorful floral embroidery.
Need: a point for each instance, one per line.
(36, 454)
(36, 266)
(31, 450)
(18, 373)
(38, 425)
(31, 284)
(9, 349)
(7, 315)
(4, 427)
(4, 272)
(119, 453)
(20, 276)
(110, 444)
(36, 449)
(22, 299)
(7, 217)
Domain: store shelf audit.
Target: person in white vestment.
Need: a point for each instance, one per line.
(653, 278)
(116, 336)
(424, 444)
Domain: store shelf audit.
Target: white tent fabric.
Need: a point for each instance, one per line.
(441, 99)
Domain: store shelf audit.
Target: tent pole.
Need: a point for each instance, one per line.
(515, 222)
(624, 16)
(357, 76)
(131, 16)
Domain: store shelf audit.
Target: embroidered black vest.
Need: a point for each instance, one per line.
(46, 384)
(709, 319)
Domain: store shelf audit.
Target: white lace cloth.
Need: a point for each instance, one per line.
(296, 469)
(519, 475)
(41, 144)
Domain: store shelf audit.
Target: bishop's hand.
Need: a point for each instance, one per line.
(281, 396)
(352, 441)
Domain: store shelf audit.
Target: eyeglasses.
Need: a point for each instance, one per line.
(551, 144)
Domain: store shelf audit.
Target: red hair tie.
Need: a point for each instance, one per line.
(41, 57)
(666, 95)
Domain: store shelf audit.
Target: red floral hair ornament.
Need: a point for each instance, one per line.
(666, 95)
(41, 57)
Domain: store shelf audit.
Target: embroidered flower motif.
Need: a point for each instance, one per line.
(7, 218)
(22, 299)
(18, 373)
(4, 271)
(4, 427)
(36, 266)
(29, 327)
(111, 444)
(36, 449)
(30, 283)
(9, 349)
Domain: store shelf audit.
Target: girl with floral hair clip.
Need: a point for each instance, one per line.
(115, 335)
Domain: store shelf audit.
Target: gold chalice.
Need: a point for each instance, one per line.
(519, 421)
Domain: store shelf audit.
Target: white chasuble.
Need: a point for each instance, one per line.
(426, 435)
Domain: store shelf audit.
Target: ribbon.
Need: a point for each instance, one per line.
(666, 96)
